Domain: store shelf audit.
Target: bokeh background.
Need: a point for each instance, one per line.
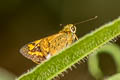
(23, 21)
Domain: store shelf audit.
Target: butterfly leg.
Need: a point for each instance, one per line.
(76, 37)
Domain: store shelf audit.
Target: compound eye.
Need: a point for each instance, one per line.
(73, 29)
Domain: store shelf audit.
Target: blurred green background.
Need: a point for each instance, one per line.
(23, 21)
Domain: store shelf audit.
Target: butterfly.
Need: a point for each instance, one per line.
(42, 49)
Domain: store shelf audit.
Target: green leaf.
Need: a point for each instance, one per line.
(71, 55)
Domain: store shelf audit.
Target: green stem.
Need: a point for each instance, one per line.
(93, 61)
(69, 56)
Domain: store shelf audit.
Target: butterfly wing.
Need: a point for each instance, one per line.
(42, 49)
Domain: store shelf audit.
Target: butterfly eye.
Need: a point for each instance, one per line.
(73, 29)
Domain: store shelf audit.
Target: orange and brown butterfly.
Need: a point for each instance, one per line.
(44, 48)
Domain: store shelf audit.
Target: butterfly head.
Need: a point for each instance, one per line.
(69, 28)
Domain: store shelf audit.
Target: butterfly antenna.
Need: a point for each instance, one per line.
(86, 20)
